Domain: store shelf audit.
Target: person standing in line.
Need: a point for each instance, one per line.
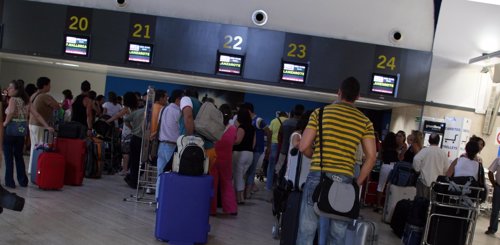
(494, 177)
(338, 162)
(44, 105)
(168, 133)
(430, 162)
(274, 126)
(389, 157)
(261, 130)
(161, 98)
(190, 105)
(17, 112)
(68, 99)
(286, 130)
(223, 174)
(242, 151)
(111, 107)
(82, 108)
(135, 122)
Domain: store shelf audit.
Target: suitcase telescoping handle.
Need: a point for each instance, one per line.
(46, 135)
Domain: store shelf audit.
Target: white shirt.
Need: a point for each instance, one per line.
(430, 162)
(111, 109)
(466, 167)
(495, 168)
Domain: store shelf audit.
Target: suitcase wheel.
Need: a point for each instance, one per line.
(276, 231)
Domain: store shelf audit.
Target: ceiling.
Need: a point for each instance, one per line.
(200, 81)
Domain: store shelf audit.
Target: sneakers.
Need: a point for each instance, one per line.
(489, 232)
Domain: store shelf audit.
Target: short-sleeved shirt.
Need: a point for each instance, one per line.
(274, 126)
(169, 128)
(344, 127)
(111, 109)
(466, 167)
(259, 125)
(495, 168)
(44, 104)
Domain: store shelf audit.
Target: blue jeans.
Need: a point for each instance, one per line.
(13, 150)
(251, 170)
(165, 152)
(309, 220)
(273, 157)
(494, 209)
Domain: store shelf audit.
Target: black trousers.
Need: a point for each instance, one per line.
(134, 159)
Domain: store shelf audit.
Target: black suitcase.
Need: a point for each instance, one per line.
(290, 222)
(71, 130)
(401, 212)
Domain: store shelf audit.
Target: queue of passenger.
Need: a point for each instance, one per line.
(247, 142)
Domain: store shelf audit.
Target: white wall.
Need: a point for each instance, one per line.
(358, 20)
(61, 78)
(465, 30)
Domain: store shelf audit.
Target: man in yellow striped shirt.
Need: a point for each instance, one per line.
(344, 127)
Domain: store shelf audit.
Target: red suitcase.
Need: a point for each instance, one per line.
(73, 151)
(50, 174)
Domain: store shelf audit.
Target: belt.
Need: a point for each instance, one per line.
(168, 142)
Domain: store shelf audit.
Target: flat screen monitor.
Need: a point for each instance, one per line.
(384, 84)
(140, 53)
(76, 45)
(293, 72)
(230, 64)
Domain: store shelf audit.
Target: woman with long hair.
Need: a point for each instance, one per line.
(243, 151)
(388, 156)
(416, 141)
(466, 165)
(15, 130)
(223, 169)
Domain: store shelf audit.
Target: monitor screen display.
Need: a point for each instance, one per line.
(230, 64)
(293, 72)
(383, 84)
(76, 45)
(139, 53)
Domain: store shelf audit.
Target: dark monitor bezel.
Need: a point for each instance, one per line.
(306, 65)
(393, 92)
(217, 65)
(141, 44)
(76, 36)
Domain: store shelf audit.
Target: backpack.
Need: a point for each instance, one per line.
(209, 122)
(403, 174)
(190, 158)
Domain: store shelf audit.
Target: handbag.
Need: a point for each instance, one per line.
(333, 198)
(17, 127)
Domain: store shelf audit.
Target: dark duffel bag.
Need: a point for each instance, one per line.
(401, 212)
(71, 130)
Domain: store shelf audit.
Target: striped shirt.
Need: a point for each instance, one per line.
(344, 127)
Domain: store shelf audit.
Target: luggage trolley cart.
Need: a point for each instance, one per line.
(452, 207)
(146, 181)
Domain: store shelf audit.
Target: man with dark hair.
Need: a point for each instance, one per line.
(338, 162)
(45, 105)
(168, 133)
(431, 162)
(82, 108)
(285, 132)
(261, 130)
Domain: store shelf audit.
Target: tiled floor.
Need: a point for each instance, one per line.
(95, 213)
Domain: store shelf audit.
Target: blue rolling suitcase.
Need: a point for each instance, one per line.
(34, 163)
(183, 208)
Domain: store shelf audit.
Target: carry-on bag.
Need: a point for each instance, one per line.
(399, 216)
(183, 208)
(73, 151)
(190, 158)
(403, 174)
(50, 169)
(290, 218)
(361, 232)
(393, 196)
(94, 158)
(34, 162)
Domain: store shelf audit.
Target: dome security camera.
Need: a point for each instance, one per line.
(121, 3)
(259, 17)
(395, 36)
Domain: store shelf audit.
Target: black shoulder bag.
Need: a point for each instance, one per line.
(332, 198)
